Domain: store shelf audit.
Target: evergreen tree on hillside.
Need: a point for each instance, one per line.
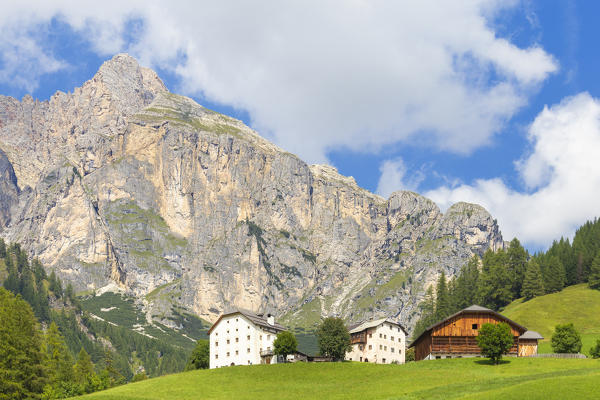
(533, 284)
(586, 244)
(553, 273)
(517, 264)
(594, 277)
(495, 283)
(442, 298)
(55, 286)
(59, 361)
(564, 251)
(22, 375)
(2, 249)
(427, 318)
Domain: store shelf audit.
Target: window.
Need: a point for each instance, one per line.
(370, 335)
(236, 329)
(237, 340)
(269, 348)
(268, 337)
(237, 352)
(385, 348)
(398, 329)
(227, 330)
(384, 360)
(380, 336)
(392, 338)
(216, 333)
(248, 337)
(392, 349)
(260, 337)
(380, 347)
(385, 336)
(216, 344)
(216, 356)
(248, 326)
(399, 339)
(360, 346)
(438, 357)
(391, 327)
(227, 354)
(361, 359)
(236, 320)
(227, 341)
(474, 326)
(370, 347)
(248, 349)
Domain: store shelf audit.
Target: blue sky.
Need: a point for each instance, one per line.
(473, 102)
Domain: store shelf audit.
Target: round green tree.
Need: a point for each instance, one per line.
(200, 356)
(566, 339)
(494, 340)
(285, 344)
(595, 350)
(333, 338)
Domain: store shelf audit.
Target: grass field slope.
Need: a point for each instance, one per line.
(516, 378)
(577, 304)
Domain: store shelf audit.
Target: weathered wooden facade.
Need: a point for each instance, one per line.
(456, 336)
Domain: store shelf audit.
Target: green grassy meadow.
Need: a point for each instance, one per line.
(577, 304)
(515, 378)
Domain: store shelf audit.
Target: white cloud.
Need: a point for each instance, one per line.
(394, 177)
(320, 75)
(562, 173)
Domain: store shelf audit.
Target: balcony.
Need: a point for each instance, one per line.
(266, 353)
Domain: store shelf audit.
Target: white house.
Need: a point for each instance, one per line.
(381, 341)
(240, 337)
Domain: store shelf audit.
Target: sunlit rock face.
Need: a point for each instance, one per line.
(126, 186)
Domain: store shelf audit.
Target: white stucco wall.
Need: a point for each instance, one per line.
(386, 343)
(237, 341)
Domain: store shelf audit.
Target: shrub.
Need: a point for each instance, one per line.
(333, 338)
(285, 344)
(566, 339)
(495, 340)
(595, 351)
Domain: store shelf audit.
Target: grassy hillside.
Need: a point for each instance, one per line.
(441, 379)
(577, 304)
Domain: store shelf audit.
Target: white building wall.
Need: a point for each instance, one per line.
(237, 341)
(386, 344)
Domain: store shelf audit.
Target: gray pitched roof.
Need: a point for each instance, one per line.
(475, 307)
(531, 335)
(372, 324)
(256, 319)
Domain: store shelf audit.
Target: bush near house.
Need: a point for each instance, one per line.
(334, 338)
(494, 340)
(285, 344)
(566, 339)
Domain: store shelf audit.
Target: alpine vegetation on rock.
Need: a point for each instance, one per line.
(124, 186)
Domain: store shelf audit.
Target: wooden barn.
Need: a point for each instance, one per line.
(456, 336)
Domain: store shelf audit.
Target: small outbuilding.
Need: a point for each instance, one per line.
(456, 336)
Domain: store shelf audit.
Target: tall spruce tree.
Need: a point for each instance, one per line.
(553, 273)
(594, 277)
(22, 375)
(517, 264)
(533, 284)
(59, 361)
(442, 298)
(2, 248)
(495, 283)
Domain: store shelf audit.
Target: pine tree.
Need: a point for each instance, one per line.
(517, 264)
(594, 277)
(12, 282)
(2, 248)
(495, 283)
(442, 299)
(22, 373)
(59, 361)
(553, 273)
(55, 285)
(533, 284)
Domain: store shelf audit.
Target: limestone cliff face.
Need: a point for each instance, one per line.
(123, 185)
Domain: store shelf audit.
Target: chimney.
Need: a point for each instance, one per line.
(270, 319)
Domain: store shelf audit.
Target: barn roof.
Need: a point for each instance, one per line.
(531, 335)
(256, 319)
(471, 309)
(372, 324)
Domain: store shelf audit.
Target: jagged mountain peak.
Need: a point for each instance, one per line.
(184, 207)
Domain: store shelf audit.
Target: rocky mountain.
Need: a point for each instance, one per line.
(124, 186)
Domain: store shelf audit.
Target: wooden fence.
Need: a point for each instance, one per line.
(559, 355)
